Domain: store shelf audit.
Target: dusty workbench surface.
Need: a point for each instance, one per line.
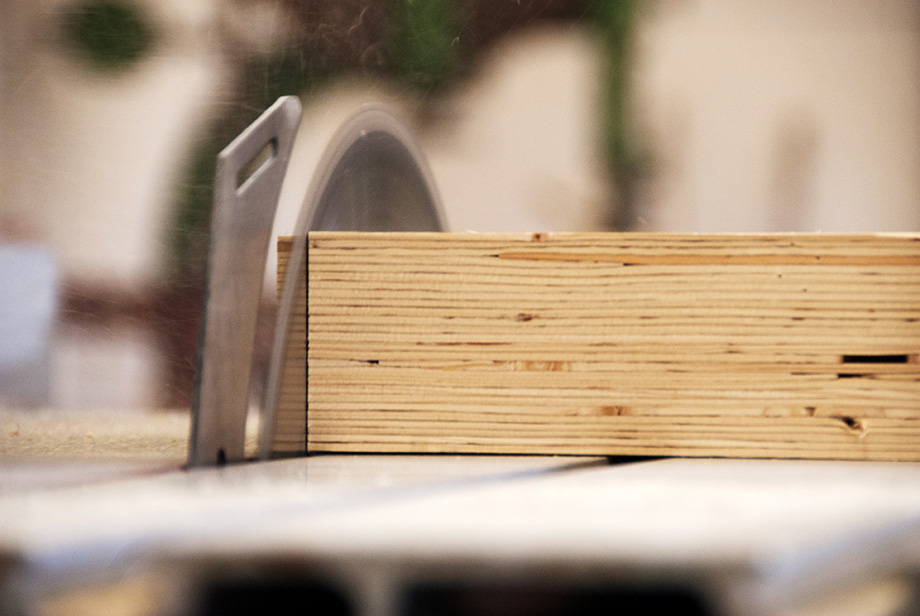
(44, 435)
(45, 448)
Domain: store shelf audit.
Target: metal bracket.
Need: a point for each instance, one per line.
(247, 184)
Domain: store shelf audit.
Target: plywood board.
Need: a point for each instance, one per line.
(607, 344)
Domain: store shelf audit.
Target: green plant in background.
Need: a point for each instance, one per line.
(111, 35)
(289, 72)
(264, 81)
(421, 51)
(426, 45)
(615, 20)
(188, 236)
(423, 42)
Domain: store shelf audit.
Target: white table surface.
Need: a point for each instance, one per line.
(761, 533)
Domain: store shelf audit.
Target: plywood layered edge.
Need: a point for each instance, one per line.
(792, 346)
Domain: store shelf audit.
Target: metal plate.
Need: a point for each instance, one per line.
(246, 187)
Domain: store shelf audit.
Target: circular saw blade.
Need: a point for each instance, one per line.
(372, 177)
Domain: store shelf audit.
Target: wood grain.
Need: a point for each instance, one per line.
(607, 344)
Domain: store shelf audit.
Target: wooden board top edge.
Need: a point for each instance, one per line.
(596, 235)
(639, 248)
(751, 243)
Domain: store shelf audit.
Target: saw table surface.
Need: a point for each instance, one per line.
(741, 536)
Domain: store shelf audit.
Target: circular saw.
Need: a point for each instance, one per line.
(372, 177)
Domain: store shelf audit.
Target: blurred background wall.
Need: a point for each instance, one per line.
(781, 115)
(697, 115)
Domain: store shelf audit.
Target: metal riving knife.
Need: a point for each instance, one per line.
(244, 211)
